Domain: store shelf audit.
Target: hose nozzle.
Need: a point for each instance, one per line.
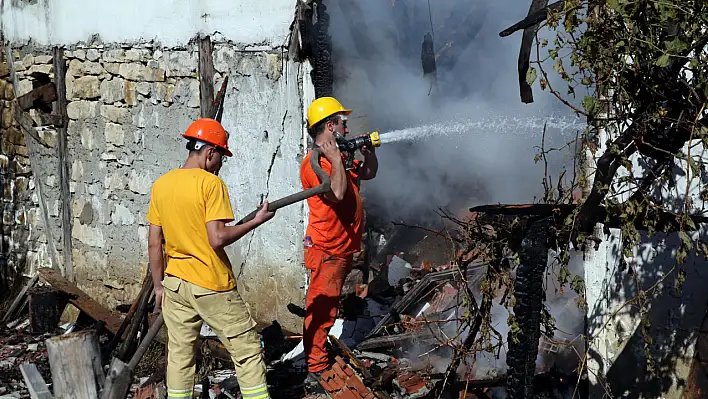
(370, 140)
(350, 146)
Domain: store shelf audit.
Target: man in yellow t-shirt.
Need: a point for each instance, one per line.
(189, 208)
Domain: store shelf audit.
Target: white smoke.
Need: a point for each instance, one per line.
(378, 73)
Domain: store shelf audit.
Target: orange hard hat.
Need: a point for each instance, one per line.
(209, 131)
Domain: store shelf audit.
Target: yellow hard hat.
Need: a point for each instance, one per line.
(324, 107)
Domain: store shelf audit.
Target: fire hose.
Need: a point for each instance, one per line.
(348, 146)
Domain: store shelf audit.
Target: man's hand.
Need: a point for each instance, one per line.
(263, 215)
(365, 150)
(331, 151)
(158, 297)
(371, 163)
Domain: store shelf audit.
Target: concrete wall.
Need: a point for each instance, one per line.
(171, 22)
(130, 98)
(616, 355)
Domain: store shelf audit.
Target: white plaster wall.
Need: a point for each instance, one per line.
(171, 22)
(263, 111)
(616, 355)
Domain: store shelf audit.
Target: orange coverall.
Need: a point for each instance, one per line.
(335, 230)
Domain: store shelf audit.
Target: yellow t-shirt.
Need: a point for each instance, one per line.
(182, 202)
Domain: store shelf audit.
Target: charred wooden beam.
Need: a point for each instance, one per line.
(427, 55)
(525, 89)
(41, 96)
(530, 296)
(532, 19)
(63, 150)
(665, 221)
(80, 299)
(46, 305)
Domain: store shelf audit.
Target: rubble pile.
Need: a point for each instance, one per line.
(18, 346)
(401, 321)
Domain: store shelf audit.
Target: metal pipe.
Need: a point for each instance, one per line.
(323, 188)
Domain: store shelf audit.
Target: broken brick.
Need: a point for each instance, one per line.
(341, 382)
(344, 366)
(410, 382)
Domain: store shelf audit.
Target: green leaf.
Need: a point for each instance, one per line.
(531, 76)
(689, 222)
(663, 61)
(695, 170)
(590, 104)
(686, 240)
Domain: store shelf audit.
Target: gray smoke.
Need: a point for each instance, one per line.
(378, 73)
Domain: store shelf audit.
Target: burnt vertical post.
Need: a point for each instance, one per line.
(59, 109)
(323, 71)
(206, 77)
(46, 305)
(530, 296)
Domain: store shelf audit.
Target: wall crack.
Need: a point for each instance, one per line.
(275, 153)
(263, 196)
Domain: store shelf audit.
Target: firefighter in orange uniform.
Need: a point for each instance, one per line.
(335, 225)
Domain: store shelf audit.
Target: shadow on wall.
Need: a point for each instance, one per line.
(673, 317)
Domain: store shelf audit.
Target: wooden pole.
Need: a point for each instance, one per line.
(14, 307)
(206, 77)
(75, 363)
(128, 346)
(60, 111)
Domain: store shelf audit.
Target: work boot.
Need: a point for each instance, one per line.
(312, 383)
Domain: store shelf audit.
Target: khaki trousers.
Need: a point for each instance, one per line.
(184, 306)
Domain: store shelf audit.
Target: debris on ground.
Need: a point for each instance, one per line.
(397, 327)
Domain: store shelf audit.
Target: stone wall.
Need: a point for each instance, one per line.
(128, 105)
(16, 188)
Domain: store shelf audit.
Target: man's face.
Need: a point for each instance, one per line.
(340, 126)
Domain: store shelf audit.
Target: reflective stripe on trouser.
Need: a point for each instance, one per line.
(184, 306)
(326, 281)
(257, 392)
(179, 393)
